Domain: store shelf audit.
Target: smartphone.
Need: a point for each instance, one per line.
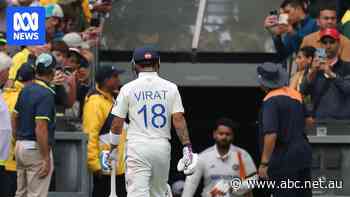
(321, 54)
(273, 13)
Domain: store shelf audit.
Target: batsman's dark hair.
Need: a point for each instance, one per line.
(227, 122)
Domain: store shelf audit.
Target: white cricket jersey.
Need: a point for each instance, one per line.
(149, 101)
(213, 168)
(5, 129)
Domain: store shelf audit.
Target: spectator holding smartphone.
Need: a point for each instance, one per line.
(328, 81)
(290, 27)
(327, 18)
(303, 61)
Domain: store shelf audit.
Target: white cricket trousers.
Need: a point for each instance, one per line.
(147, 167)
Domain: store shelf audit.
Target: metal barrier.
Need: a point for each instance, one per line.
(331, 162)
(71, 177)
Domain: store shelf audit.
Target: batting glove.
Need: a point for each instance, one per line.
(188, 162)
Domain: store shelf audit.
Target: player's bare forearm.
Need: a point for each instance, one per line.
(42, 135)
(117, 125)
(181, 128)
(269, 145)
(116, 128)
(14, 123)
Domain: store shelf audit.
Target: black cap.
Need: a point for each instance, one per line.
(145, 56)
(26, 72)
(272, 75)
(106, 72)
(83, 62)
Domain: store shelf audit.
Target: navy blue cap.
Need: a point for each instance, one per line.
(145, 56)
(272, 75)
(26, 72)
(106, 72)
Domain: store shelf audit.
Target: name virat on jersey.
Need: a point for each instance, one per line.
(151, 95)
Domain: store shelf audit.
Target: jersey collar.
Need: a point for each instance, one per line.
(224, 157)
(148, 74)
(105, 94)
(45, 85)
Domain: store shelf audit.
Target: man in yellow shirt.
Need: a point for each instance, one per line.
(97, 121)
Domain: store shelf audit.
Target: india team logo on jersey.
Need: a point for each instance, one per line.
(235, 167)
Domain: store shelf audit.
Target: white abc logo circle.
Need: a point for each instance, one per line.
(19, 18)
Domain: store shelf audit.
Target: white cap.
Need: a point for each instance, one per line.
(74, 40)
(5, 61)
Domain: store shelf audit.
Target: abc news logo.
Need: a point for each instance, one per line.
(29, 29)
(26, 25)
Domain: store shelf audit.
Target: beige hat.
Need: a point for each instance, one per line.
(74, 40)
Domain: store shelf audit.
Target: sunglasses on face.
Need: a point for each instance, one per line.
(328, 41)
(328, 18)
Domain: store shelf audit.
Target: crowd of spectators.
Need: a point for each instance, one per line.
(62, 65)
(319, 50)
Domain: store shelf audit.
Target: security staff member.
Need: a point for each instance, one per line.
(96, 123)
(286, 153)
(34, 124)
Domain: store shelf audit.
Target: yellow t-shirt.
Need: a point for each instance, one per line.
(46, 2)
(346, 17)
(17, 61)
(96, 111)
(10, 96)
(84, 5)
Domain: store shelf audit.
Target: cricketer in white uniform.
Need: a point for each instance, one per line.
(151, 104)
(220, 164)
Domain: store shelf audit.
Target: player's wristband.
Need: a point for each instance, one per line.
(264, 164)
(114, 138)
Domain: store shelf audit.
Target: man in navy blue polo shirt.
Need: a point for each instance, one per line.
(34, 124)
(286, 153)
